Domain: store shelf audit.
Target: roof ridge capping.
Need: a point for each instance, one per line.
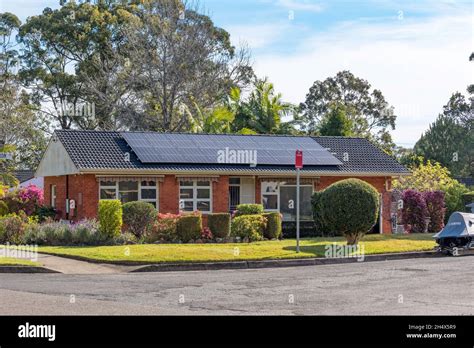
(205, 133)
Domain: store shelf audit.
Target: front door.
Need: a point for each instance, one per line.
(234, 193)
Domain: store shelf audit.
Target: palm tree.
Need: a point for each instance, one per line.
(263, 110)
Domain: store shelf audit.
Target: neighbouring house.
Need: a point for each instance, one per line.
(206, 172)
(27, 177)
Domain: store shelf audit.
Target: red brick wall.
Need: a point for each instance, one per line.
(169, 195)
(79, 185)
(220, 195)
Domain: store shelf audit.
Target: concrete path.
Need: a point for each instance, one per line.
(70, 266)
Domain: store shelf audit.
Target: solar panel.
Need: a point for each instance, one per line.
(226, 149)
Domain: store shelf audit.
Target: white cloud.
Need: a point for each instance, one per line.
(416, 64)
(300, 5)
(256, 36)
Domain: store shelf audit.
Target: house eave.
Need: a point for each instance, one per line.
(259, 172)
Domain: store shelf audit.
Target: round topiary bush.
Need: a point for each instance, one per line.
(350, 208)
(138, 217)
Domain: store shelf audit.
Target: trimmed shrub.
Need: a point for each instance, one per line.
(219, 224)
(350, 208)
(316, 204)
(126, 238)
(12, 228)
(249, 209)
(414, 212)
(110, 217)
(3, 208)
(189, 227)
(44, 213)
(251, 227)
(138, 217)
(436, 209)
(164, 228)
(273, 228)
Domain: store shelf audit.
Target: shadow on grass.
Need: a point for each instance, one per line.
(316, 250)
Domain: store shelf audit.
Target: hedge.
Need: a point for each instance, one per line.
(251, 227)
(110, 217)
(249, 209)
(273, 228)
(189, 227)
(219, 224)
(138, 217)
(414, 212)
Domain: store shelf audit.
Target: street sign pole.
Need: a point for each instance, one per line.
(298, 166)
(297, 210)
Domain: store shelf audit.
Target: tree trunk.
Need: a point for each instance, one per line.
(353, 238)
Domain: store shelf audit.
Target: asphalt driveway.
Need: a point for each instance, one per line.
(416, 286)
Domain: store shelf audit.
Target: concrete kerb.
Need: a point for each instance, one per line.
(219, 265)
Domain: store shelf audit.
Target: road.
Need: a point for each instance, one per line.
(416, 286)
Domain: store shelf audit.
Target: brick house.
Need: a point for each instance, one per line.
(211, 173)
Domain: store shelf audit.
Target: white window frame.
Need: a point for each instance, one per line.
(116, 188)
(277, 193)
(53, 196)
(195, 199)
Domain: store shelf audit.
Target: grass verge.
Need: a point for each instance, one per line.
(10, 261)
(284, 249)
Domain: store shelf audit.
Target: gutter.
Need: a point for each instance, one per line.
(312, 173)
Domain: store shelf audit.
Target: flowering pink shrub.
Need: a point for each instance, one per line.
(27, 199)
(164, 228)
(436, 209)
(30, 198)
(414, 212)
(206, 233)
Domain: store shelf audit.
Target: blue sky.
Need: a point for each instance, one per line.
(415, 52)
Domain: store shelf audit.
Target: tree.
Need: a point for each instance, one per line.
(369, 112)
(432, 176)
(349, 207)
(262, 111)
(336, 123)
(46, 66)
(20, 127)
(450, 139)
(179, 57)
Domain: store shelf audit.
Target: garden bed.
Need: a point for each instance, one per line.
(264, 250)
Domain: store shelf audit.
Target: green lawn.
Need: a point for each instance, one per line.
(285, 249)
(10, 261)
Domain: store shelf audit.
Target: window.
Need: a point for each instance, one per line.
(130, 191)
(195, 195)
(281, 197)
(53, 196)
(270, 195)
(288, 202)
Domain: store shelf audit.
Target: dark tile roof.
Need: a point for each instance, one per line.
(106, 150)
(24, 175)
(362, 155)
